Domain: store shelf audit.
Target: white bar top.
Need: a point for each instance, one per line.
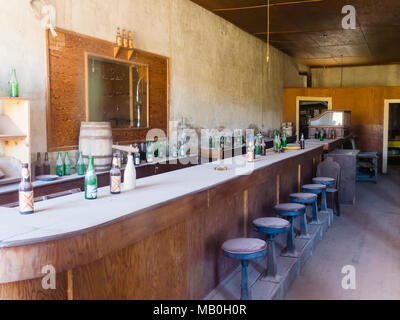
(55, 218)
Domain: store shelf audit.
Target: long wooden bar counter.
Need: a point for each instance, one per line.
(160, 241)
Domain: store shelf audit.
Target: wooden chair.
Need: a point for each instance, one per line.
(330, 168)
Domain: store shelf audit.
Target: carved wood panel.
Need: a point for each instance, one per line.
(66, 101)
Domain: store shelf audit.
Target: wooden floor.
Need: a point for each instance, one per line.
(366, 236)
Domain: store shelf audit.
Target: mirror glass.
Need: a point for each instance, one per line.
(118, 93)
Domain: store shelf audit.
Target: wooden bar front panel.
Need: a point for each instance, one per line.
(169, 252)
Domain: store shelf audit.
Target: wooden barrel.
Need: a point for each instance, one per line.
(95, 139)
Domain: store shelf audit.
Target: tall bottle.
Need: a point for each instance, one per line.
(250, 148)
(125, 40)
(257, 146)
(136, 155)
(67, 165)
(130, 40)
(46, 164)
(115, 177)
(302, 142)
(38, 165)
(322, 135)
(26, 200)
(80, 165)
(59, 166)
(284, 140)
(130, 175)
(91, 181)
(119, 37)
(14, 88)
(149, 153)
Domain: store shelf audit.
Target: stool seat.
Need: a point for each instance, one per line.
(243, 246)
(304, 196)
(315, 186)
(325, 181)
(270, 222)
(289, 209)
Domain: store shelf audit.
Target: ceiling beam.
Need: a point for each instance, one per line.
(265, 5)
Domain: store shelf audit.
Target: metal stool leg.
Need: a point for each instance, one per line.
(245, 292)
(291, 247)
(272, 268)
(304, 228)
(315, 218)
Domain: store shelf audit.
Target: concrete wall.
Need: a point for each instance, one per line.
(364, 76)
(218, 73)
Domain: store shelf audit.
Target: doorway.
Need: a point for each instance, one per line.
(308, 108)
(391, 134)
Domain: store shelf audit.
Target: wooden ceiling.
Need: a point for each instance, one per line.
(311, 30)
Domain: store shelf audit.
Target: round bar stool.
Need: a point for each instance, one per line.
(329, 183)
(271, 227)
(245, 249)
(290, 211)
(318, 189)
(306, 199)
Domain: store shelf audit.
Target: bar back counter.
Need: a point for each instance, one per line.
(160, 241)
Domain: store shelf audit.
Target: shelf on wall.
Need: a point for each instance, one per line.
(118, 51)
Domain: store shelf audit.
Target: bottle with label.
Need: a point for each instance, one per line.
(59, 166)
(182, 149)
(26, 200)
(80, 165)
(302, 142)
(278, 144)
(91, 181)
(130, 175)
(130, 40)
(136, 156)
(14, 88)
(250, 148)
(263, 149)
(322, 135)
(67, 165)
(115, 176)
(222, 142)
(125, 39)
(46, 164)
(119, 37)
(284, 140)
(38, 165)
(149, 153)
(174, 151)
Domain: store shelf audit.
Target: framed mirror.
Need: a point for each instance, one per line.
(117, 92)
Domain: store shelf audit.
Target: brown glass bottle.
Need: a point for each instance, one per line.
(38, 165)
(26, 200)
(115, 176)
(46, 164)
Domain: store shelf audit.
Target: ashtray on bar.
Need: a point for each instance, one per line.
(220, 168)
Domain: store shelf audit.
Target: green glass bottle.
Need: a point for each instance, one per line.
(321, 135)
(284, 140)
(222, 142)
(257, 147)
(59, 166)
(14, 90)
(80, 165)
(91, 181)
(67, 165)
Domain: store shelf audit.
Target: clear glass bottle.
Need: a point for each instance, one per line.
(149, 153)
(250, 148)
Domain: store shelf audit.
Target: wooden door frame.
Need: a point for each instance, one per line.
(386, 133)
(305, 98)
